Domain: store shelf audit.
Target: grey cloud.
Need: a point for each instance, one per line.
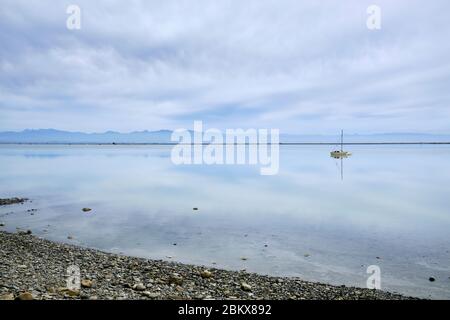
(300, 66)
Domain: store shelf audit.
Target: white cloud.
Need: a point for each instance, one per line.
(298, 66)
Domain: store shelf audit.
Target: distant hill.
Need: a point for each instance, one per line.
(163, 136)
(58, 136)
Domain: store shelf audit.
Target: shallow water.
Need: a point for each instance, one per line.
(391, 209)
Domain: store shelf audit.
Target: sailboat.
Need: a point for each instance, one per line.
(339, 154)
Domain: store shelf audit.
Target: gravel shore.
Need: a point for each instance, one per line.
(8, 201)
(34, 268)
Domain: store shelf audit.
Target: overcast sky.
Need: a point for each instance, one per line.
(300, 66)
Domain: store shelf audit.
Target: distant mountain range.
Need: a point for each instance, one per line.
(58, 136)
(163, 136)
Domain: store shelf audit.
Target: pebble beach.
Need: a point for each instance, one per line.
(34, 268)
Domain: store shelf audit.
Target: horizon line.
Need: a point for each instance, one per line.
(207, 144)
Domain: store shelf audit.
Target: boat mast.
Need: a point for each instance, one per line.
(342, 151)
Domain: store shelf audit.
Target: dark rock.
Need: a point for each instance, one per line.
(8, 201)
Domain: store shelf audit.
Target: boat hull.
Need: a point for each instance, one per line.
(340, 154)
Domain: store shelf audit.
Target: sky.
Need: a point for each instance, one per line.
(305, 67)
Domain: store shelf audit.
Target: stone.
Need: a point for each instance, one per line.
(86, 209)
(7, 296)
(152, 295)
(179, 289)
(139, 287)
(25, 296)
(86, 283)
(4, 202)
(245, 286)
(73, 293)
(175, 278)
(84, 296)
(432, 279)
(206, 274)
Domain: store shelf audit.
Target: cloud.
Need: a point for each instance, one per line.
(298, 66)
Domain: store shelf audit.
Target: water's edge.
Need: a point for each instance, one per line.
(111, 276)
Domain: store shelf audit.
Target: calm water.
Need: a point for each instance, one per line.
(393, 203)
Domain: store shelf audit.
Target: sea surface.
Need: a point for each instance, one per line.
(318, 219)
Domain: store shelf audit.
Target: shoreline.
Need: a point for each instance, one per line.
(9, 201)
(31, 267)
